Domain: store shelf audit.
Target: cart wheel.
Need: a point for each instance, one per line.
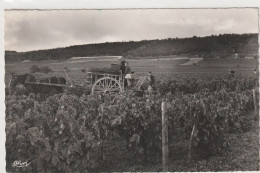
(106, 85)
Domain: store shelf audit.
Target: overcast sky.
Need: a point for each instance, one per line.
(33, 30)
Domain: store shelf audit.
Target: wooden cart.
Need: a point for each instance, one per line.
(106, 83)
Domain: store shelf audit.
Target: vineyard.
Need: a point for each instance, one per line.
(74, 131)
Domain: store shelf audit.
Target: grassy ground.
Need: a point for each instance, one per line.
(242, 155)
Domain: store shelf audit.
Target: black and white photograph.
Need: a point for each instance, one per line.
(131, 90)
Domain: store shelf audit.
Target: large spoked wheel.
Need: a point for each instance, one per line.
(106, 85)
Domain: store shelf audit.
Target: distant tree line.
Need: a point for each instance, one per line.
(222, 46)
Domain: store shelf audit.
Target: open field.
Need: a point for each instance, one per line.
(165, 66)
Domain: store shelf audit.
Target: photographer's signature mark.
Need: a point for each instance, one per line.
(20, 164)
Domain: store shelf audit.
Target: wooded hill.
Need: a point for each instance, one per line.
(221, 46)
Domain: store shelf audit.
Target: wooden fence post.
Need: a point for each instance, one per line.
(190, 144)
(101, 113)
(255, 101)
(165, 150)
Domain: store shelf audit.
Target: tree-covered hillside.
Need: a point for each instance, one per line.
(208, 47)
(222, 46)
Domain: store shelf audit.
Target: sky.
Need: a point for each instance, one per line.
(27, 30)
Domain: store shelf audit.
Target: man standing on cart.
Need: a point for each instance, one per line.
(123, 67)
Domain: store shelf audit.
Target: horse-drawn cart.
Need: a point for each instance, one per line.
(110, 81)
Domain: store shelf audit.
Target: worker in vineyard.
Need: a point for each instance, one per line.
(151, 81)
(130, 79)
(232, 73)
